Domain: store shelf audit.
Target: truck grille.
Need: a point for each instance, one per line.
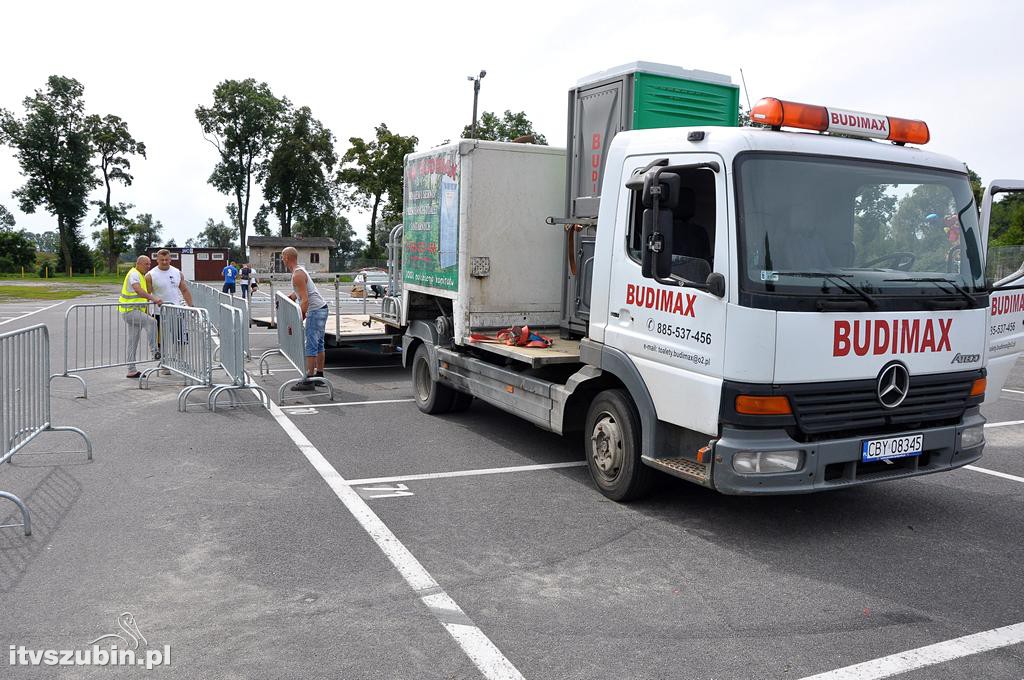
(853, 407)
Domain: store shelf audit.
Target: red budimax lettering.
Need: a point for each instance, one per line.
(662, 299)
(899, 336)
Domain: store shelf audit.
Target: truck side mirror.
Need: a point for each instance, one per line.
(716, 284)
(656, 261)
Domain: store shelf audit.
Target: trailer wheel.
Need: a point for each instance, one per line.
(612, 443)
(431, 396)
(461, 402)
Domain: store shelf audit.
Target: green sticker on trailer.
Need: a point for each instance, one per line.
(430, 238)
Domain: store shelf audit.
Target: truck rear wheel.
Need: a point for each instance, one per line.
(612, 441)
(431, 396)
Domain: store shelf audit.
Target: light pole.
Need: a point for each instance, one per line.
(476, 94)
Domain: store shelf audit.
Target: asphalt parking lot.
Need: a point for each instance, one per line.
(363, 539)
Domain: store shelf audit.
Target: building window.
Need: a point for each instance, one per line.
(218, 256)
(202, 256)
(174, 256)
(314, 258)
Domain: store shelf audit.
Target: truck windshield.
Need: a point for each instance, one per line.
(813, 227)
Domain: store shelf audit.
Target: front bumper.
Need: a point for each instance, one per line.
(835, 464)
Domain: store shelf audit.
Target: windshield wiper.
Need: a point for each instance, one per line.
(836, 279)
(956, 286)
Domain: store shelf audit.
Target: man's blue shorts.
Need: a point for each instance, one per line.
(316, 321)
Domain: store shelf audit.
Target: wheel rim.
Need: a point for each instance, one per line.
(607, 446)
(422, 381)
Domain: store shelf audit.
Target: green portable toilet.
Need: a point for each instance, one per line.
(635, 96)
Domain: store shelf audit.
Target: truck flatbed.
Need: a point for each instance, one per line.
(560, 352)
(343, 329)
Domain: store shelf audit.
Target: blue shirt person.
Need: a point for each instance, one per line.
(230, 273)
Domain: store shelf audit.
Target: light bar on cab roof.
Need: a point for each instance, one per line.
(778, 113)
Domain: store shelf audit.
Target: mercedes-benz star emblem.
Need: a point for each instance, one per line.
(893, 384)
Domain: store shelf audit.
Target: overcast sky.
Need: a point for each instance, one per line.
(957, 65)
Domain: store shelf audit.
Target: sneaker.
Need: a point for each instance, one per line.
(303, 386)
(318, 374)
(165, 371)
(156, 354)
(133, 375)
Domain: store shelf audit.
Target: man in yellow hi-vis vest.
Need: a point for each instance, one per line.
(133, 306)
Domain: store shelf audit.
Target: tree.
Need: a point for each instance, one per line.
(241, 124)
(6, 219)
(976, 187)
(297, 183)
(46, 242)
(115, 239)
(336, 227)
(16, 250)
(260, 223)
(509, 127)
(376, 169)
(53, 146)
(214, 235)
(145, 233)
(113, 144)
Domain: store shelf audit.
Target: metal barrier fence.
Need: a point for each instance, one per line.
(211, 299)
(25, 399)
(102, 336)
(186, 343)
(291, 339)
(232, 356)
(391, 305)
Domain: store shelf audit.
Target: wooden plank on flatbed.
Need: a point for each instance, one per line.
(560, 352)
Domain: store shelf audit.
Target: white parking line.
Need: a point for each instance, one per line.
(1005, 423)
(912, 659)
(994, 473)
(43, 309)
(348, 403)
(477, 646)
(466, 473)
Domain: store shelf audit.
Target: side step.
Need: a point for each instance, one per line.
(684, 468)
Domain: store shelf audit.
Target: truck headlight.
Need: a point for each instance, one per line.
(972, 436)
(762, 462)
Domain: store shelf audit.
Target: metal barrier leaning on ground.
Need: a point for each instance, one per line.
(232, 358)
(186, 342)
(25, 399)
(96, 336)
(291, 344)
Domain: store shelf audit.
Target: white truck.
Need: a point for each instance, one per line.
(758, 311)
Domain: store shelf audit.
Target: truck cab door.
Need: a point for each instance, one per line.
(674, 334)
(1002, 226)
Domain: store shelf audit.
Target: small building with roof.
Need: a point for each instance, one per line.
(314, 252)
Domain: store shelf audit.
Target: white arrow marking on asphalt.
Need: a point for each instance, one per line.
(395, 491)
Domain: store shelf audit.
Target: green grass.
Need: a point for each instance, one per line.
(77, 278)
(12, 292)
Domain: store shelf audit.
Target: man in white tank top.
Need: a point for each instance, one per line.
(169, 285)
(314, 311)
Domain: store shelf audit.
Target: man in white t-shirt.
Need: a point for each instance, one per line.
(169, 285)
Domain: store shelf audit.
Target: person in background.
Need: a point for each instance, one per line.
(169, 285)
(133, 305)
(230, 273)
(246, 273)
(314, 311)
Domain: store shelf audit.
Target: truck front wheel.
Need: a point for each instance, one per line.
(613, 447)
(431, 396)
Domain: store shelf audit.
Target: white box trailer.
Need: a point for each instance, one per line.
(475, 234)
